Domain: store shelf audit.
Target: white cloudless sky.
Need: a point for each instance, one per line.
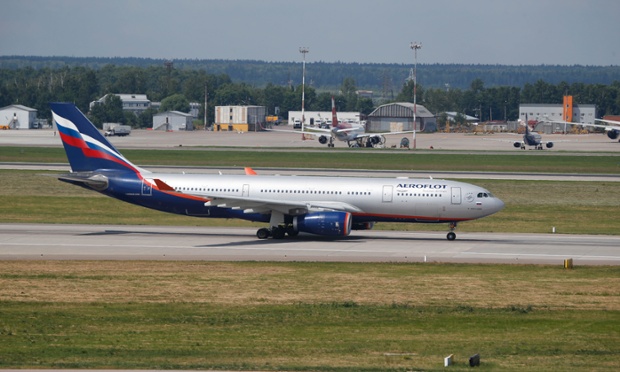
(510, 32)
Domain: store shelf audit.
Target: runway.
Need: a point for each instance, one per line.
(113, 242)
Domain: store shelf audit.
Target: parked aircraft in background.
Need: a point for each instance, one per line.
(531, 139)
(611, 127)
(353, 133)
(328, 206)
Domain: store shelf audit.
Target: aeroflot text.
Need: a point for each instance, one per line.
(421, 186)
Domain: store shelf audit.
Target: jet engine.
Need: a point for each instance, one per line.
(517, 144)
(324, 223)
(613, 134)
(549, 145)
(322, 140)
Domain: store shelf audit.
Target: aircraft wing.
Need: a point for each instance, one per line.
(610, 125)
(259, 205)
(613, 123)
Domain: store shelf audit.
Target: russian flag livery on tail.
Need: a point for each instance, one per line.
(87, 149)
(328, 206)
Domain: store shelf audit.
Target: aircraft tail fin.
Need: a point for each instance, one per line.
(334, 115)
(87, 149)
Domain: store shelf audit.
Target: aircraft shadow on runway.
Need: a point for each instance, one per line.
(302, 238)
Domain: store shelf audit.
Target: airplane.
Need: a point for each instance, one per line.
(531, 139)
(354, 134)
(611, 127)
(324, 206)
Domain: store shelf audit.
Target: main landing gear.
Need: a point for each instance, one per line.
(277, 232)
(451, 235)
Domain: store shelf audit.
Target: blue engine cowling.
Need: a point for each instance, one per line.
(324, 223)
(613, 134)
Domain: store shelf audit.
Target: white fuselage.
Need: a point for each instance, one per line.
(377, 199)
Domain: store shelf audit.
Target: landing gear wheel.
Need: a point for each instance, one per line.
(278, 233)
(451, 235)
(262, 233)
(292, 232)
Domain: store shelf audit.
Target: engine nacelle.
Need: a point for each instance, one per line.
(549, 145)
(324, 223)
(613, 134)
(363, 226)
(517, 144)
(322, 140)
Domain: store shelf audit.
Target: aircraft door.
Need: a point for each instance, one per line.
(246, 190)
(456, 195)
(147, 189)
(387, 193)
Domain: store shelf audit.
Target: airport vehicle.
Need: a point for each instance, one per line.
(353, 133)
(327, 206)
(118, 130)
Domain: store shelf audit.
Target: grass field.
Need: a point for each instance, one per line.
(314, 316)
(307, 316)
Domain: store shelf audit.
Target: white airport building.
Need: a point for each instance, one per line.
(18, 117)
(172, 121)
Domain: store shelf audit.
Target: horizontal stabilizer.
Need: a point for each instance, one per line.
(93, 180)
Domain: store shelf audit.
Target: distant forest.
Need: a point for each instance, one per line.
(384, 79)
(489, 92)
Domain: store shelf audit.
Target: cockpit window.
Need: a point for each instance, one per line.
(485, 195)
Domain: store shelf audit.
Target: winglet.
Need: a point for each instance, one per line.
(250, 172)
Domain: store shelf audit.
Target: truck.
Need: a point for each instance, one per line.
(116, 130)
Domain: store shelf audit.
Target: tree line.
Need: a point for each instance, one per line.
(384, 79)
(175, 87)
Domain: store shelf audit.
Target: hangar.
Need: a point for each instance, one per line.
(172, 121)
(18, 117)
(398, 117)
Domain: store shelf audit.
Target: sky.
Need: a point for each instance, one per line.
(507, 32)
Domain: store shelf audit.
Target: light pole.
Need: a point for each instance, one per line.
(304, 51)
(415, 46)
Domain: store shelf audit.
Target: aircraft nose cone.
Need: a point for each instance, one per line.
(499, 205)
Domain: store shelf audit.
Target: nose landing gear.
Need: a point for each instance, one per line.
(451, 235)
